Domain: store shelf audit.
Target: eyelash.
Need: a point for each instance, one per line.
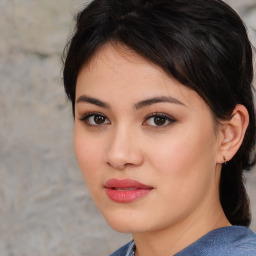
(85, 118)
(166, 118)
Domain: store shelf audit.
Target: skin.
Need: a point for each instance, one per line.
(181, 158)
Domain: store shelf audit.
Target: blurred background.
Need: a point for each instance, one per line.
(45, 208)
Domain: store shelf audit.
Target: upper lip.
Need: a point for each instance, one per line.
(125, 183)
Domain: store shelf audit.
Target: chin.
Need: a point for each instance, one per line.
(125, 223)
(126, 229)
(121, 225)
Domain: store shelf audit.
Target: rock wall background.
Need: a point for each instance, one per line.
(45, 208)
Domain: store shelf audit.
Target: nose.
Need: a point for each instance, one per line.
(124, 150)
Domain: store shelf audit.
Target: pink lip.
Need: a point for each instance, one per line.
(125, 191)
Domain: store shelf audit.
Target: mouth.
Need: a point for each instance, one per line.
(126, 191)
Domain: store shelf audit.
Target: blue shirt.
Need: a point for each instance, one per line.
(227, 241)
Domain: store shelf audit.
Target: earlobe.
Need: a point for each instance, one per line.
(232, 133)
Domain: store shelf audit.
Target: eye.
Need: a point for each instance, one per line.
(158, 120)
(94, 119)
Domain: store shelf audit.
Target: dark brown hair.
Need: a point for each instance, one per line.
(201, 43)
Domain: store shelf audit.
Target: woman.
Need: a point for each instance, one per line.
(165, 123)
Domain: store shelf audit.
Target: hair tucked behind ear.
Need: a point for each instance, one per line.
(201, 43)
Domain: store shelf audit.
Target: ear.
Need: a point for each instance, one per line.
(232, 134)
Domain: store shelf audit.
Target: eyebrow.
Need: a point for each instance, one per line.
(91, 100)
(137, 106)
(161, 99)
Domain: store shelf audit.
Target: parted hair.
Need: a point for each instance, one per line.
(203, 44)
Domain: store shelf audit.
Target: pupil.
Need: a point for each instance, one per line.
(159, 120)
(99, 119)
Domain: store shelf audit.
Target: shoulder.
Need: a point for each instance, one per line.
(126, 250)
(228, 241)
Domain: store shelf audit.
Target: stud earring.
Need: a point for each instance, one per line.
(225, 160)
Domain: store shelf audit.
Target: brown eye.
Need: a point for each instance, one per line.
(94, 119)
(159, 120)
(98, 119)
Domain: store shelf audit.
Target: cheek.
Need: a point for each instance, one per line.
(184, 171)
(186, 157)
(88, 156)
(190, 144)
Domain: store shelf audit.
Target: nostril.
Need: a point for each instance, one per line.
(122, 152)
(116, 165)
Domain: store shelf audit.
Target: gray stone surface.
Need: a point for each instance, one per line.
(45, 208)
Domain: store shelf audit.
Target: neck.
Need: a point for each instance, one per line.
(173, 239)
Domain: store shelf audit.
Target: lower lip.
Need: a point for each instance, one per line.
(126, 196)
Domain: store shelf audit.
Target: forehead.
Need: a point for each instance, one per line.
(117, 71)
(117, 56)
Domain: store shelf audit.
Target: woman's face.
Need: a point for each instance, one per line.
(147, 145)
